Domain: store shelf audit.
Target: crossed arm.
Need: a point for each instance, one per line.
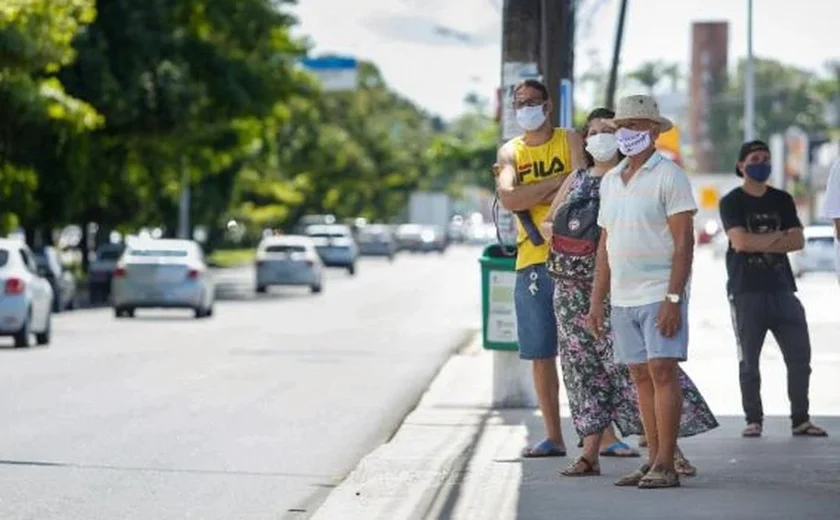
(520, 197)
(776, 242)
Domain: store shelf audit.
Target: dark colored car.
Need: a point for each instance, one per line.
(62, 281)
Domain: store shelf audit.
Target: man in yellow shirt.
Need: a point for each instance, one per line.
(532, 167)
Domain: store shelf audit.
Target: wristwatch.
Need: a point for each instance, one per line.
(673, 298)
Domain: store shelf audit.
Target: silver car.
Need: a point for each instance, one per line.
(818, 253)
(26, 299)
(288, 260)
(377, 240)
(162, 273)
(335, 245)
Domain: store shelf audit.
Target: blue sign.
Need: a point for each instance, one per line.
(566, 104)
(329, 63)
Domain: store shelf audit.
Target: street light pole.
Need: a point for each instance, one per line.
(749, 80)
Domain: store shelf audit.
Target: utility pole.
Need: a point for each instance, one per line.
(619, 36)
(557, 48)
(749, 80)
(521, 29)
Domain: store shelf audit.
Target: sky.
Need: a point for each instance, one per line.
(437, 70)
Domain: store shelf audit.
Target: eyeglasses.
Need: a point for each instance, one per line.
(528, 103)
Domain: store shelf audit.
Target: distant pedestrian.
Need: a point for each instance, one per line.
(532, 167)
(763, 226)
(644, 262)
(832, 209)
(600, 391)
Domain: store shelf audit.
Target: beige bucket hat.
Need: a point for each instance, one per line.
(641, 106)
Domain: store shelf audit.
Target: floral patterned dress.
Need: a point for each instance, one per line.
(600, 390)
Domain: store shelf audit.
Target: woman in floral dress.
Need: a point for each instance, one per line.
(600, 390)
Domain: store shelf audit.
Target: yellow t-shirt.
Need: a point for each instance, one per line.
(534, 164)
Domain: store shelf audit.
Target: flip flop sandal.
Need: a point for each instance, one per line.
(581, 468)
(546, 448)
(619, 449)
(809, 430)
(753, 430)
(634, 478)
(660, 479)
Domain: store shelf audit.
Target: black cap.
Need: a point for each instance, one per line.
(748, 148)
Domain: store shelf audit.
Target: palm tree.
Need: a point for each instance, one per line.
(673, 73)
(649, 74)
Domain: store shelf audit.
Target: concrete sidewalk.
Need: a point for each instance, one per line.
(455, 457)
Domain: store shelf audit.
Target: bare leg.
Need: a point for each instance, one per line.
(647, 408)
(547, 385)
(608, 437)
(668, 398)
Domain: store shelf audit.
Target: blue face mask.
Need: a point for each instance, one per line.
(759, 172)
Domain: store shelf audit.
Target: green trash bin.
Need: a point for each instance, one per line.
(498, 315)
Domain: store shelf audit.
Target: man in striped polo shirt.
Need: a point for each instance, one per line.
(644, 262)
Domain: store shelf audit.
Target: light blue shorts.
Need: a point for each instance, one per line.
(637, 340)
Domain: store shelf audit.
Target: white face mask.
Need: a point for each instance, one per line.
(602, 147)
(632, 142)
(530, 118)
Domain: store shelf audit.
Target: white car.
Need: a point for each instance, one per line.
(162, 273)
(288, 260)
(335, 245)
(818, 253)
(26, 299)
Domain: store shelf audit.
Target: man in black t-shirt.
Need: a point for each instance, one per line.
(762, 226)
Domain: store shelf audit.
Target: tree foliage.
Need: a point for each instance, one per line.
(112, 107)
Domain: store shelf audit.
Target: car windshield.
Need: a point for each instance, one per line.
(4, 257)
(821, 240)
(108, 254)
(167, 253)
(328, 235)
(285, 248)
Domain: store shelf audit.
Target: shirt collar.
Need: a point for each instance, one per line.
(650, 164)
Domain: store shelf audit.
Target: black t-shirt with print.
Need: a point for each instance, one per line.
(759, 272)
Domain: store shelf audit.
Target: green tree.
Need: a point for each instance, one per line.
(38, 117)
(785, 96)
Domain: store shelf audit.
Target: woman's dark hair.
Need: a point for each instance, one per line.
(598, 113)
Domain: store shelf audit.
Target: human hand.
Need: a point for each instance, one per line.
(596, 319)
(668, 320)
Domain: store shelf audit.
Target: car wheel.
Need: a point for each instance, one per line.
(351, 269)
(209, 311)
(43, 338)
(199, 313)
(261, 289)
(56, 304)
(317, 288)
(22, 336)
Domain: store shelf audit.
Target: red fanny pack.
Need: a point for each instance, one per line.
(572, 246)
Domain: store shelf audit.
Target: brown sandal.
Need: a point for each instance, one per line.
(660, 478)
(809, 429)
(582, 468)
(634, 478)
(683, 466)
(752, 430)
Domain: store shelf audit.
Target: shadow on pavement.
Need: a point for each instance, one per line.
(774, 477)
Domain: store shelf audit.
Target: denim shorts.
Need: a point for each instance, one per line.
(536, 324)
(637, 340)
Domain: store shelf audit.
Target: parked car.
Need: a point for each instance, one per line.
(288, 260)
(420, 238)
(818, 253)
(62, 281)
(101, 271)
(335, 245)
(162, 273)
(27, 298)
(377, 240)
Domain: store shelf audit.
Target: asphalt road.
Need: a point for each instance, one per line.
(252, 414)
